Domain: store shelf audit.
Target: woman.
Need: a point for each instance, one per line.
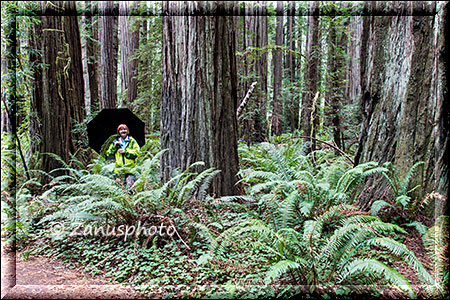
(125, 150)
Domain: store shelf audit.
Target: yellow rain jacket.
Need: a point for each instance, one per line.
(127, 160)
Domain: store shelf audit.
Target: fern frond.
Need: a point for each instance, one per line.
(354, 176)
(149, 198)
(265, 186)
(341, 246)
(57, 158)
(252, 174)
(378, 205)
(406, 180)
(403, 200)
(286, 215)
(188, 189)
(373, 267)
(284, 266)
(251, 228)
(402, 251)
(204, 232)
(206, 183)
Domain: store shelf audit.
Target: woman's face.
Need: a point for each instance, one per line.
(123, 132)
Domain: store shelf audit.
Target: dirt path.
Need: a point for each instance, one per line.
(41, 278)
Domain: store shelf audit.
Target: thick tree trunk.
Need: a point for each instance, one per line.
(404, 105)
(277, 73)
(199, 98)
(62, 84)
(56, 123)
(109, 51)
(75, 81)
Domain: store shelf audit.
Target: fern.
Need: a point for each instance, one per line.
(373, 267)
(378, 205)
(400, 186)
(202, 190)
(350, 180)
(285, 266)
(316, 256)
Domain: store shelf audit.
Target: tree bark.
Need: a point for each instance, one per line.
(56, 112)
(75, 81)
(277, 73)
(109, 51)
(403, 99)
(199, 97)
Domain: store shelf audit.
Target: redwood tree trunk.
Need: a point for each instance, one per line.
(199, 98)
(74, 78)
(404, 105)
(109, 52)
(129, 42)
(56, 106)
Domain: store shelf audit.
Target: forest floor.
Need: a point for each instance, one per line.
(38, 277)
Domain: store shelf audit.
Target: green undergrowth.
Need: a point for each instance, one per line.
(296, 230)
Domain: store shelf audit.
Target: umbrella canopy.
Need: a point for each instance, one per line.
(105, 124)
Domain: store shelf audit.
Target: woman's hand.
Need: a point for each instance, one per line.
(121, 151)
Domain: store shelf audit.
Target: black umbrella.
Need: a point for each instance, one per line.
(105, 124)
